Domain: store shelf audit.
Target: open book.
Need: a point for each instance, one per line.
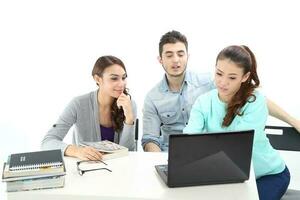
(109, 149)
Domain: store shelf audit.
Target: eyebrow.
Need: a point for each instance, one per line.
(228, 74)
(118, 75)
(180, 51)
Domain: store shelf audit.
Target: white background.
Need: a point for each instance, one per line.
(48, 49)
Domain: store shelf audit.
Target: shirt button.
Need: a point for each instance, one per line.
(186, 123)
(182, 109)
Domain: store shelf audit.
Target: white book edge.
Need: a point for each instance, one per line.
(108, 156)
(46, 183)
(110, 147)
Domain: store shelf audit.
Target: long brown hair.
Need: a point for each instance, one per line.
(244, 58)
(117, 114)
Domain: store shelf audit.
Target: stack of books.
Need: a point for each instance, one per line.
(34, 170)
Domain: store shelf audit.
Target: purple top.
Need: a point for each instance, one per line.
(107, 133)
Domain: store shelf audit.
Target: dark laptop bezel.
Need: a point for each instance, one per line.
(169, 178)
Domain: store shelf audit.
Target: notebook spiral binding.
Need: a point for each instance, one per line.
(36, 166)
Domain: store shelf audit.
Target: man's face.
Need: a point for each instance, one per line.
(174, 59)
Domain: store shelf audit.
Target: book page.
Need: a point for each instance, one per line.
(105, 146)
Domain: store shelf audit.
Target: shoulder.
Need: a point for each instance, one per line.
(257, 98)
(84, 99)
(207, 97)
(256, 102)
(156, 92)
(198, 79)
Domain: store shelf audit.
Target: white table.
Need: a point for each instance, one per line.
(132, 177)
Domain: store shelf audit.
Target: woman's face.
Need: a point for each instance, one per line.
(113, 81)
(228, 79)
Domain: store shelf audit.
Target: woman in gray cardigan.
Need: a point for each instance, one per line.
(105, 114)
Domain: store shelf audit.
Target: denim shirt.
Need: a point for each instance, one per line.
(166, 112)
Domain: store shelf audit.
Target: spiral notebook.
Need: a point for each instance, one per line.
(34, 160)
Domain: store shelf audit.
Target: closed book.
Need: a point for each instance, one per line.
(34, 160)
(109, 149)
(15, 175)
(36, 184)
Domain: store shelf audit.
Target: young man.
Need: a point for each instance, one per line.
(167, 106)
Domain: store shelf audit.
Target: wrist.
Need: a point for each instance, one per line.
(129, 121)
(72, 150)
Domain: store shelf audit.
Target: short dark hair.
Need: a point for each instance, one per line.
(172, 37)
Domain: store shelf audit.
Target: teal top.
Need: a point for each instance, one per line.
(207, 116)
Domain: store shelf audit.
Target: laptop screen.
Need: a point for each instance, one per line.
(209, 158)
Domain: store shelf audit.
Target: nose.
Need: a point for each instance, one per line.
(122, 83)
(175, 58)
(222, 81)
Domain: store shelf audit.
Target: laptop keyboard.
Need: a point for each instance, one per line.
(165, 169)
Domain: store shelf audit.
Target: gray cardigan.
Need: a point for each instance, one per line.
(82, 112)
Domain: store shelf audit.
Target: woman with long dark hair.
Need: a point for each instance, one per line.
(235, 104)
(105, 114)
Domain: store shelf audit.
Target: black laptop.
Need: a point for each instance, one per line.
(210, 158)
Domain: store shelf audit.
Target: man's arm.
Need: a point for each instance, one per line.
(279, 113)
(151, 147)
(151, 127)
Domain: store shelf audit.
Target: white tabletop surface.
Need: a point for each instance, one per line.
(132, 177)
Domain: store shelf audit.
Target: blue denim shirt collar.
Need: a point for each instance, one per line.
(164, 87)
